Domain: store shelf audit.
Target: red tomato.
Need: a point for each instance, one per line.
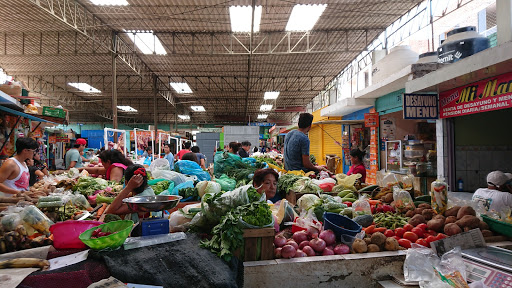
(396, 237)
(408, 227)
(389, 233)
(422, 226)
(404, 243)
(440, 236)
(432, 232)
(430, 239)
(418, 231)
(399, 232)
(411, 236)
(422, 242)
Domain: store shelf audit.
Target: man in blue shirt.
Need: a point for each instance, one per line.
(168, 155)
(296, 147)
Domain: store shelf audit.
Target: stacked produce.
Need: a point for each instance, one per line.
(307, 244)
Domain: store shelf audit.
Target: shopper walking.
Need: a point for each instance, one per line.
(185, 150)
(14, 174)
(296, 147)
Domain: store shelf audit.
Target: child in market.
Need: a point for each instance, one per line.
(137, 185)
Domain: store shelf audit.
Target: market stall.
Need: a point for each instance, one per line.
(118, 143)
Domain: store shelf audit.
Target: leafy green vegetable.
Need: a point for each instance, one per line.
(160, 186)
(188, 192)
(268, 160)
(253, 194)
(88, 185)
(111, 218)
(285, 182)
(242, 171)
(228, 235)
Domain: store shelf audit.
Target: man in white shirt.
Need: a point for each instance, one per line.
(491, 197)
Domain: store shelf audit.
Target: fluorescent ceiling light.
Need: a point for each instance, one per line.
(241, 18)
(110, 2)
(147, 42)
(184, 117)
(181, 88)
(266, 107)
(271, 95)
(84, 87)
(127, 108)
(262, 116)
(304, 17)
(197, 108)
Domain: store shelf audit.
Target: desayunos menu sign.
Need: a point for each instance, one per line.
(420, 106)
(487, 95)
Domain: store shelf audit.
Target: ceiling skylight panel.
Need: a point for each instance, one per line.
(304, 17)
(126, 108)
(84, 87)
(181, 87)
(147, 42)
(271, 95)
(110, 2)
(241, 18)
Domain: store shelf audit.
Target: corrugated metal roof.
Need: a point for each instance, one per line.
(201, 51)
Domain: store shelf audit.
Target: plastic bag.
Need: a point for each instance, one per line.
(306, 185)
(361, 206)
(11, 221)
(222, 160)
(175, 177)
(191, 168)
(179, 220)
(176, 190)
(284, 212)
(37, 219)
(403, 200)
(439, 196)
(348, 181)
(306, 220)
(159, 164)
(80, 201)
(147, 161)
(226, 183)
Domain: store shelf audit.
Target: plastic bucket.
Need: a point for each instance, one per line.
(65, 234)
(340, 225)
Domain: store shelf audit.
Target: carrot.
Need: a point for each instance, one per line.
(33, 236)
(380, 229)
(374, 202)
(101, 210)
(50, 237)
(369, 229)
(89, 209)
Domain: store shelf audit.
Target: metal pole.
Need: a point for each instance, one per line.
(155, 112)
(432, 24)
(114, 82)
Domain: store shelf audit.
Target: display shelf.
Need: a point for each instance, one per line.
(488, 63)
(10, 102)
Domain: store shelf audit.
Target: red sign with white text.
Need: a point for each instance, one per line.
(487, 95)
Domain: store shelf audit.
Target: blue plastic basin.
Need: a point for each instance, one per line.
(335, 222)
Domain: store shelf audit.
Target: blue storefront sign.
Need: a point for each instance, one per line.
(420, 106)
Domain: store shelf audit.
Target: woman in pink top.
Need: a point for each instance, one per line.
(14, 174)
(114, 163)
(356, 157)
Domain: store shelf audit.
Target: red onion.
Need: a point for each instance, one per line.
(328, 236)
(341, 249)
(300, 253)
(327, 252)
(317, 244)
(312, 231)
(300, 236)
(292, 243)
(303, 243)
(288, 251)
(277, 252)
(279, 241)
(330, 246)
(309, 251)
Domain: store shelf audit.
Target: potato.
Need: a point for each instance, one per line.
(416, 220)
(483, 226)
(425, 206)
(378, 239)
(465, 210)
(452, 229)
(487, 233)
(428, 214)
(373, 248)
(388, 198)
(450, 219)
(452, 211)
(439, 216)
(469, 221)
(391, 244)
(359, 246)
(367, 240)
(418, 210)
(409, 213)
(436, 224)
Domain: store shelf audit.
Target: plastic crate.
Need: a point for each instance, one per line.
(497, 226)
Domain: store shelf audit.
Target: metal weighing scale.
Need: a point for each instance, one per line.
(144, 204)
(492, 265)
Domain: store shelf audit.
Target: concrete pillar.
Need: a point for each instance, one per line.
(442, 155)
(504, 20)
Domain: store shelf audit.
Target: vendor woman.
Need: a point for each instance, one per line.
(356, 157)
(137, 185)
(114, 165)
(265, 181)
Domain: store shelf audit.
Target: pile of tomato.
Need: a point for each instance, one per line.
(409, 234)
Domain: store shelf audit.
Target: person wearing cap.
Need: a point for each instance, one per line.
(508, 186)
(492, 197)
(74, 157)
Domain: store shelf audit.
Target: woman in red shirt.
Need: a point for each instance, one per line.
(356, 157)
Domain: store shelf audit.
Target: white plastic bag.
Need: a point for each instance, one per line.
(176, 177)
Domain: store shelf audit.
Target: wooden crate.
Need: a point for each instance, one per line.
(258, 245)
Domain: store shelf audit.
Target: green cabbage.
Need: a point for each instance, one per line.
(307, 201)
(205, 187)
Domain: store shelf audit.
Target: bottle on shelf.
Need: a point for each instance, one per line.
(460, 185)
